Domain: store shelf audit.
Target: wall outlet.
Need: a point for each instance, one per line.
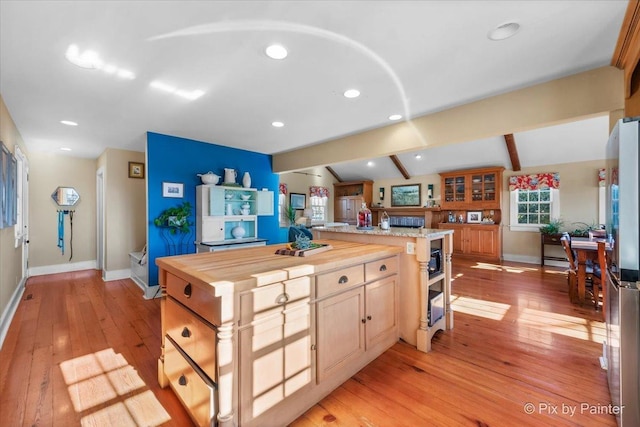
(411, 248)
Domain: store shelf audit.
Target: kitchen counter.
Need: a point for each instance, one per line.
(425, 233)
(418, 275)
(254, 338)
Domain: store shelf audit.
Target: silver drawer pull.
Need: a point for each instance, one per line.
(282, 298)
(186, 332)
(343, 280)
(187, 290)
(182, 380)
(383, 267)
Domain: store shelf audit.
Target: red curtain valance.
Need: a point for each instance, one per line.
(282, 188)
(539, 181)
(318, 191)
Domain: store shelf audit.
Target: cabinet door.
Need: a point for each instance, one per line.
(265, 202)
(482, 241)
(275, 361)
(340, 331)
(216, 201)
(381, 300)
(211, 229)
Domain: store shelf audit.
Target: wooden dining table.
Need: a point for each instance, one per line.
(585, 249)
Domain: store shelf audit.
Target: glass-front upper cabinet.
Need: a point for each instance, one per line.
(472, 189)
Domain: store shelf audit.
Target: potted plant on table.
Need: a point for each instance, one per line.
(553, 227)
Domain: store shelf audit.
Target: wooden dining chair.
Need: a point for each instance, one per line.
(603, 263)
(592, 278)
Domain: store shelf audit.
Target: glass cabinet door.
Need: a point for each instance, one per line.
(489, 183)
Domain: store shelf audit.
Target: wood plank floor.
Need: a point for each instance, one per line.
(83, 352)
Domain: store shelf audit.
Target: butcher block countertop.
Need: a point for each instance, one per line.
(232, 271)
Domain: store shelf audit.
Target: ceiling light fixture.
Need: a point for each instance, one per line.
(68, 123)
(65, 149)
(395, 117)
(370, 163)
(418, 156)
(504, 31)
(352, 93)
(276, 51)
(277, 124)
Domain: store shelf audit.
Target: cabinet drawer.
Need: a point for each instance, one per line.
(381, 268)
(196, 393)
(266, 300)
(195, 337)
(195, 298)
(345, 278)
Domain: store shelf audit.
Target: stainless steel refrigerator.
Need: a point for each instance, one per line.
(622, 350)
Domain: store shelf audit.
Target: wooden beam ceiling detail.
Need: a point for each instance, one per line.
(335, 175)
(627, 52)
(513, 152)
(396, 161)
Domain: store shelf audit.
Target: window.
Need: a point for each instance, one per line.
(534, 200)
(318, 196)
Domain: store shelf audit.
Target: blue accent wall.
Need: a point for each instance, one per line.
(174, 159)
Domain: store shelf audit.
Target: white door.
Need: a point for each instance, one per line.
(22, 217)
(100, 219)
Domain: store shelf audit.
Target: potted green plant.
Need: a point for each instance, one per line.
(290, 213)
(584, 229)
(553, 227)
(175, 218)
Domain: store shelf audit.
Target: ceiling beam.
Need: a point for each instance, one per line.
(396, 161)
(513, 152)
(627, 52)
(335, 175)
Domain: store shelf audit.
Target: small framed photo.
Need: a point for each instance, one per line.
(474, 216)
(297, 200)
(173, 189)
(136, 170)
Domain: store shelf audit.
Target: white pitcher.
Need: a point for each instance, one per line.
(230, 176)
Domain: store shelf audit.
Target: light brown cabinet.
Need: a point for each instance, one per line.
(356, 320)
(480, 240)
(348, 198)
(473, 189)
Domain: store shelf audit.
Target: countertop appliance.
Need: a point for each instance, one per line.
(622, 349)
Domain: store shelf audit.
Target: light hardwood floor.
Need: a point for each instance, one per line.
(83, 352)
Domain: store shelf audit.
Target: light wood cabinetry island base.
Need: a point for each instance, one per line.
(252, 338)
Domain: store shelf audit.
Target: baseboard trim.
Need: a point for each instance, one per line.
(62, 268)
(148, 292)
(10, 310)
(116, 274)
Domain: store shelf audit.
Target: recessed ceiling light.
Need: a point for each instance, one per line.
(370, 163)
(504, 31)
(395, 117)
(352, 93)
(65, 149)
(68, 123)
(277, 124)
(418, 156)
(276, 51)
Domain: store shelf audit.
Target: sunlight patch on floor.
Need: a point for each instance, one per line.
(554, 323)
(477, 307)
(97, 378)
(505, 268)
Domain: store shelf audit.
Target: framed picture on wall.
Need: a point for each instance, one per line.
(173, 189)
(405, 195)
(136, 170)
(297, 201)
(474, 216)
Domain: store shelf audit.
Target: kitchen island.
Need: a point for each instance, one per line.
(251, 337)
(419, 275)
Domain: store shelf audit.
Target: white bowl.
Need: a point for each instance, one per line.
(228, 196)
(245, 197)
(209, 178)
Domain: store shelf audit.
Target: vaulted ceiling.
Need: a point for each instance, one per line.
(405, 57)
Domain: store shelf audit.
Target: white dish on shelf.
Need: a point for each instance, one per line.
(228, 196)
(245, 197)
